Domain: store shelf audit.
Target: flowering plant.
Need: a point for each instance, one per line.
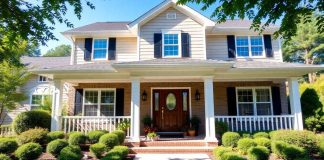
(148, 129)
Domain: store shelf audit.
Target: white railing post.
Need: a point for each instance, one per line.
(295, 105)
(135, 110)
(56, 105)
(209, 110)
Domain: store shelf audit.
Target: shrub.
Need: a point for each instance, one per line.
(221, 127)
(121, 136)
(55, 135)
(230, 139)
(261, 134)
(94, 136)
(97, 150)
(219, 151)
(77, 138)
(277, 147)
(258, 153)
(304, 139)
(123, 150)
(245, 134)
(288, 151)
(315, 123)
(37, 135)
(4, 157)
(31, 119)
(55, 147)
(231, 156)
(28, 151)
(113, 155)
(265, 142)
(8, 145)
(321, 149)
(245, 144)
(70, 153)
(109, 140)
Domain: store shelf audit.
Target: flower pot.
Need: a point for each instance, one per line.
(192, 133)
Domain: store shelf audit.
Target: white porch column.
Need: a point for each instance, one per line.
(295, 105)
(209, 110)
(56, 105)
(135, 110)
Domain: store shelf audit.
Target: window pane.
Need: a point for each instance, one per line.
(245, 109)
(262, 95)
(156, 101)
(263, 108)
(107, 110)
(90, 110)
(99, 54)
(91, 97)
(171, 50)
(171, 101)
(107, 96)
(256, 51)
(256, 40)
(245, 95)
(185, 101)
(242, 51)
(100, 43)
(36, 100)
(170, 38)
(242, 41)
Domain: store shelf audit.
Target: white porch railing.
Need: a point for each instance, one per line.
(86, 124)
(257, 123)
(6, 130)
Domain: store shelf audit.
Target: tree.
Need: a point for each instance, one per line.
(291, 12)
(11, 78)
(61, 50)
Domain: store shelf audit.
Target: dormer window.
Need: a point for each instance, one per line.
(100, 49)
(42, 79)
(171, 44)
(249, 46)
(171, 16)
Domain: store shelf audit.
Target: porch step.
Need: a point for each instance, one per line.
(191, 143)
(168, 150)
(170, 134)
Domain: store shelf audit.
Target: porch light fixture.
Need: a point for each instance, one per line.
(144, 96)
(197, 95)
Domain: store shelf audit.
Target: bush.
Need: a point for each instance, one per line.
(77, 138)
(70, 153)
(315, 123)
(55, 135)
(277, 147)
(31, 119)
(97, 150)
(245, 144)
(55, 147)
(4, 157)
(219, 151)
(304, 139)
(230, 139)
(321, 149)
(261, 134)
(231, 156)
(121, 136)
(109, 140)
(221, 127)
(28, 151)
(258, 153)
(265, 142)
(8, 145)
(94, 136)
(123, 150)
(288, 151)
(113, 155)
(37, 135)
(245, 134)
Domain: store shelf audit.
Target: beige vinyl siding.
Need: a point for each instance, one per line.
(181, 23)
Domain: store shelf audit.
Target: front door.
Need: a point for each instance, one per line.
(170, 109)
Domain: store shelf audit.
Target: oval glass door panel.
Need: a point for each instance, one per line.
(171, 101)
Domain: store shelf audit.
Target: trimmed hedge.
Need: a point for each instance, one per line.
(55, 147)
(97, 150)
(113, 155)
(28, 151)
(94, 136)
(31, 119)
(110, 140)
(219, 151)
(77, 138)
(121, 136)
(245, 134)
(245, 144)
(123, 150)
(265, 142)
(70, 153)
(4, 157)
(261, 134)
(230, 139)
(55, 135)
(321, 149)
(258, 153)
(232, 156)
(8, 145)
(37, 135)
(288, 151)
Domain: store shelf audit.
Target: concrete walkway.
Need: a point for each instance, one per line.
(172, 157)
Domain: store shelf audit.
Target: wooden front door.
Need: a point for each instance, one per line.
(170, 109)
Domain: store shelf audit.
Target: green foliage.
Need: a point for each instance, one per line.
(219, 151)
(109, 140)
(8, 145)
(113, 155)
(55, 146)
(261, 141)
(59, 51)
(245, 134)
(230, 139)
(261, 134)
(94, 136)
(123, 150)
(46, 105)
(70, 153)
(4, 157)
(28, 151)
(195, 121)
(32, 119)
(245, 144)
(123, 125)
(151, 135)
(315, 123)
(258, 153)
(77, 138)
(55, 135)
(310, 103)
(121, 136)
(37, 135)
(221, 127)
(231, 156)
(98, 150)
(321, 149)
(147, 120)
(288, 151)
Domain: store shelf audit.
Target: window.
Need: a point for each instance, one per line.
(100, 49)
(42, 79)
(38, 100)
(254, 101)
(249, 46)
(171, 16)
(171, 45)
(99, 102)
(185, 100)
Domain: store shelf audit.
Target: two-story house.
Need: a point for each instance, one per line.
(171, 64)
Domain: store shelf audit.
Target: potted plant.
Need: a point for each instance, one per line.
(147, 121)
(123, 125)
(192, 132)
(195, 122)
(152, 136)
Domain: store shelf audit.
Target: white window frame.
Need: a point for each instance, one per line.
(254, 100)
(249, 47)
(99, 90)
(179, 43)
(41, 81)
(93, 49)
(42, 99)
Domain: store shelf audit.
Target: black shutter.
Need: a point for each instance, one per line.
(231, 101)
(78, 101)
(87, 49)
(119, 101)
(231, 46)
(185, 44)
(157, 45)
(268, 45)
(276, 102)
(112, 49)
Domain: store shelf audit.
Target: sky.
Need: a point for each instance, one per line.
(105, 11)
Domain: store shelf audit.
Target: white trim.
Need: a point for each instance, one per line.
(171, 15)
(179, 43)
(249, 47)
(92, 55)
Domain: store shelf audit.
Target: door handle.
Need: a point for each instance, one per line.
(162, 113)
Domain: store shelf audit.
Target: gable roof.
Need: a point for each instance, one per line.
(35, 63)
(100, 26)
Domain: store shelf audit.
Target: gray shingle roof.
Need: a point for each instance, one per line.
(100, 26)
(89, 67)
(238, 24)
(267, 64)
(168, 61)
(34, 63)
